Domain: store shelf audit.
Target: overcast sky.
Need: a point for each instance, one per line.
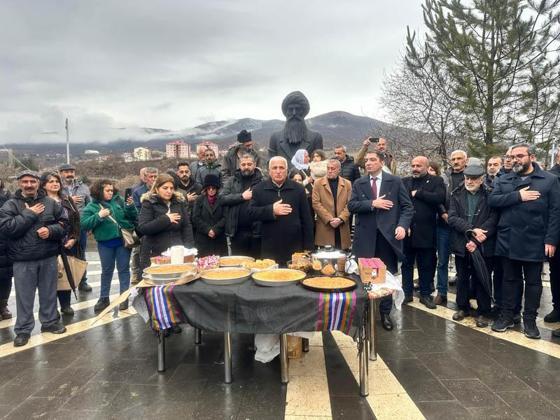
(177, 64)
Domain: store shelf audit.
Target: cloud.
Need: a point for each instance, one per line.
(169, 63)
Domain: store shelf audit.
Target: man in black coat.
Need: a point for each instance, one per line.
(295, 134)
(348, 169)
(6, 271)
(243, 232)
(554, 264)
(383, 214)
(34, 225)
(281, 204)
(528, 232)
(427, 193)
(470, 215)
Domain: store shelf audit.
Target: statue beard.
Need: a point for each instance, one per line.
(295, 130)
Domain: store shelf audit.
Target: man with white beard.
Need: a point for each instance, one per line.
(473, 225)
(295, 134)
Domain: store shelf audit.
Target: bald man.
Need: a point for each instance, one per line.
(427, 193)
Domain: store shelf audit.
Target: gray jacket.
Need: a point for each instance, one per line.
(78, 188)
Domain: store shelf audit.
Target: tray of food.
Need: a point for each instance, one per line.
(169, 271)
(260, 265)
(278, 277)
(225, 275)
(329, 284)
(235, 261)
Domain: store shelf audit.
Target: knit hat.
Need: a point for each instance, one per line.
(244, 136)
(211, 180)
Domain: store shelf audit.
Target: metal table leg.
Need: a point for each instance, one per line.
(363, 347)
(372, 336)
(284, 373)
(161, 352)
(227, 358)
(305, 345)
(197, 336)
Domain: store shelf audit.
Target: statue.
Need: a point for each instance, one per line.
(295, 134)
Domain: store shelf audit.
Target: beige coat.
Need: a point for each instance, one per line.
(323, 204)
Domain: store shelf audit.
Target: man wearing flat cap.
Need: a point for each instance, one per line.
(295, 134)
(34, 225)
(473, 225)
(232, 158)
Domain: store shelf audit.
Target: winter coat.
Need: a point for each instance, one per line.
(205, 218)
(485, 217)
(555, 170)
(137, 194)
(78, 188)
(5, 263)
(323, 204)
(525, 227)
(429, 196)
(214, 169)
(282, 235)
(191, 187)
(231, 159)
(19, 225)
(104, 229)
(232, 200)
(369, 219)
(349, 170)
(158, 233)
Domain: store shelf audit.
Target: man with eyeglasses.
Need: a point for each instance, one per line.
(528, 232)
(508, 163)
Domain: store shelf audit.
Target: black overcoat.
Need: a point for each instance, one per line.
(485, 217)
(369, 219)
(206, 217)
(6, 272)
(282, 235)
(158, 233)
(525, 227)
(429, 196)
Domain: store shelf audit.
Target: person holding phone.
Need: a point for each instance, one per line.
(105, 215)
(380, 144)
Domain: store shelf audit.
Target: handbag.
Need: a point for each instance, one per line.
(130, 237)
(77, 268)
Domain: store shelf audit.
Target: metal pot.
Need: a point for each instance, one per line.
(330, 255)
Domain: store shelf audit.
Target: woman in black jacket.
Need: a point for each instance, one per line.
(164, 220)
(5, 265)
(209, 219)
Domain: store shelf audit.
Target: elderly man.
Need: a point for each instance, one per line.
(383, 214)
(473, 225)
(81, 197)
(201, 160)
(34, 226)
(232, 159)
(295, 134)
(348, 169)
(528, 232)
(427, 193)
(244, 232)
(149, 179)
(281, 205)
(330, 202)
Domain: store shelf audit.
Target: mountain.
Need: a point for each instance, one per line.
(337, 127)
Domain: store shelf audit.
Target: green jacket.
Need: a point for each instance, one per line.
(105, 229)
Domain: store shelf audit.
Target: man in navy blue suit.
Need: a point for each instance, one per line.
(383, 214)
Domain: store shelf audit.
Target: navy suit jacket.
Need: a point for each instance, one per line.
(369, 219)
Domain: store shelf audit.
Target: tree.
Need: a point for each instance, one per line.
(501, 58)
(418, 103)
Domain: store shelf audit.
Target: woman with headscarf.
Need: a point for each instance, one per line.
(52, 184)
(209, 219)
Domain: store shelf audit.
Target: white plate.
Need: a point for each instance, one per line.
(160, 280)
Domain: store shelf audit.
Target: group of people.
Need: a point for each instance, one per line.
(500, 220)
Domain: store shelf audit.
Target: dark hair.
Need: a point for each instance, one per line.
(97, 189)
(45, 179)
(530, 148)
(295, 171)
(380, 155)
(435, 166)
(319, 152)
(183, 164)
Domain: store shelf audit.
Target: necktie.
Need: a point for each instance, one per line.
(374, 187)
